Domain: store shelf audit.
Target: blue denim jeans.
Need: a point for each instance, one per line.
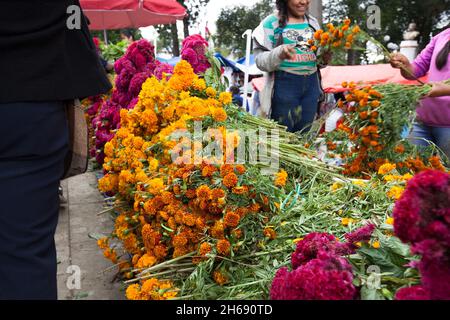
(295, 100)
(440, 136)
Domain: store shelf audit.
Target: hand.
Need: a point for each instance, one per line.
(327, 57)
(439, 89)
(288, 52)
(398, 61)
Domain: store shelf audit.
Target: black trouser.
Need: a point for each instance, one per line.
(33, 145)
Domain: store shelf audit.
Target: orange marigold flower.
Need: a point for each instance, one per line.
(190, 194)
(179, 240)
(363, 115)
(223, 247)
(281, 178)
(160, 252)
(226, 169)
(356, 29)
(217, 230)
(240, 169)
(237, 233)
(203, 192)
(375, 103)
(205, 248)
(270, 233)
(347, 22)
(133, 292)
(240, 190)
(231, 219)
(230, 180)
(255, 207)
(219, 115)
(400, 148)
(217, 193)
(220, 278)
(208, 170)
(189, 219)
(103, 243)
(225, 98)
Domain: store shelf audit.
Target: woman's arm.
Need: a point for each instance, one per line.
(419, 67)
(269, 61)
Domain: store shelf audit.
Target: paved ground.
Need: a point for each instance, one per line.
(78, 218)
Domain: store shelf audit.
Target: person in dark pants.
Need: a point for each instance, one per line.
(44, 64)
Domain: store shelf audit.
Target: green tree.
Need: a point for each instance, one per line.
(233, 22)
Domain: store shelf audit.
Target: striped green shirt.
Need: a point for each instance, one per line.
(304, 62)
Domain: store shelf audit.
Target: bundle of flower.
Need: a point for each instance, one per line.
(334, 39)
(194, 50)
(422, 219)
(370, 132)
(132, 70)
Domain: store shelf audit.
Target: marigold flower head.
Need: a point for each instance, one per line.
(281, 178)
(386, 168)
(219, 115)
(205, 248)
(203, 192)
(223, 247)
(240, 190)
(225, 98)
(211, 92)
(231, 219)
(133, 292)
(230, 180)
(146, 261)
(217, 193)
(103, 243)
(220, 278)
(395, 192)
(270, 233)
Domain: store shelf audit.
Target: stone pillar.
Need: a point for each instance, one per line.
(409, 48)
(315, 9)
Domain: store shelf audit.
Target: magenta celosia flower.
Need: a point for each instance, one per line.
(327, 277)
(425, 201)
(422, 218)
(194, 52)
(435, 273)
(412, 293)
(136, 83)
(308, 248)
(362, 234)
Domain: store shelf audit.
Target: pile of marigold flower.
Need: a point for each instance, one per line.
(169, 206)
(369, 135)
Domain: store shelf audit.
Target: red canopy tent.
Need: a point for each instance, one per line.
(118, 14)
(334, 76)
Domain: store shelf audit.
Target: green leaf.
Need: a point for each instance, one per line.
(96, 236)
(381, 258)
